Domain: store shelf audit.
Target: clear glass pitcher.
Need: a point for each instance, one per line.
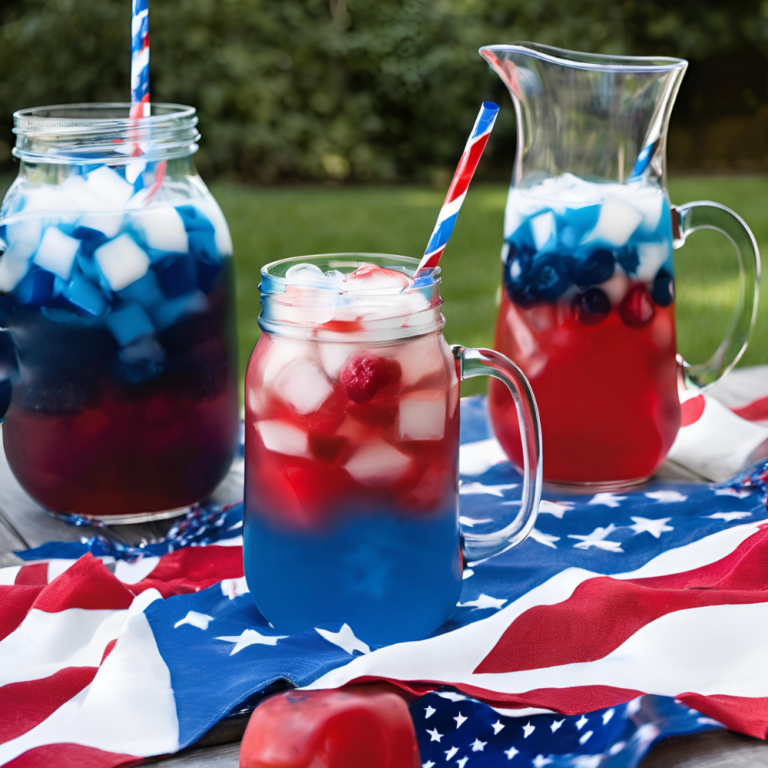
(352, 447)
(118, 366)
(587, 306)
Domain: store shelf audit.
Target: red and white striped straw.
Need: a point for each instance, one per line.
(458, 190)
(140, 58)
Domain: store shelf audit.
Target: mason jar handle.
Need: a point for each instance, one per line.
(703, 214)
(486, 362)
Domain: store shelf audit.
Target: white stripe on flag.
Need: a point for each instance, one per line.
(133, 573)
(45, 643)
(477, 458)
(129, 707)
(8, 575)
(454, 655)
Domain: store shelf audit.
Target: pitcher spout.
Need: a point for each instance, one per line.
(588, 114)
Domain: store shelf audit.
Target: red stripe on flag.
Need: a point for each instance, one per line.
(87, 584)
(757, 410)
(25, 705)
(602, 613)
(71, 756)
(32, 575)
(466, 169)
(15, 602)
(191, 569)
(749, 716)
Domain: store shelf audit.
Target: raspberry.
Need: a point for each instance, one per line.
(364, 375)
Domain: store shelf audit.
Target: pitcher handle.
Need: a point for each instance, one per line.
(487, 362)
(704, 214)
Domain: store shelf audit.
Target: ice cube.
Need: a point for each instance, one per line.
(306, 274)
(23, 236)
(422, 415)
(370, 277)
(129, 324)
(617, 222)
(304, 387)
(279, 355)
(420, 360)
(334, 355)
(281, 437)
(649, 203)
(176, 275)
(171, 311)
(616, 288)
(133, 170)
(121, 261)
(12, 270)
(83, 294)
(162, 229)
(652, 256)
(75, 195)
(57, 252)
(543, 228)
(109, 188)
(42, 197)
(96, 226)
(378, 464)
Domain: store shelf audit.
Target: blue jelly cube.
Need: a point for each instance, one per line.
(176, 275)
(36, 289)
(208, 272)
(85, 295)
(194, 218)
(202, 244)
(144, 291)
(172, 310)
(129, 324)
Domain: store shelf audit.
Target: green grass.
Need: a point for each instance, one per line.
(270, 224)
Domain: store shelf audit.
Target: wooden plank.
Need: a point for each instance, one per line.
(224, 756)
(718, 749)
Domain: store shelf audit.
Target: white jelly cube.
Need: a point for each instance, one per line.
(422, 415)
(162, 229)
(304, 387)
(543, 229)
(649, 206)
(12, 269)
(109, 187)
(57, 252)
(121, 261)
(617, 222)
(221, 231)
(42, 198)
(378, 464)
(651, 256)
(281, 437)
(107, 223)
(75, 195)
(24, 236)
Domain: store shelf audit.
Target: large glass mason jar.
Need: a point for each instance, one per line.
(117, 334)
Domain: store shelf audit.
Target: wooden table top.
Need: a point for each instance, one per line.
(23, 525)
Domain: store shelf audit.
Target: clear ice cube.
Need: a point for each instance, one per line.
(378, 464)
(281, 437)
(304, 387)
(422, 415)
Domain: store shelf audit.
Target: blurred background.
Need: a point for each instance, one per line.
(335, 125)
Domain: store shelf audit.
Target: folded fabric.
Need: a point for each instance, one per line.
(659, 593)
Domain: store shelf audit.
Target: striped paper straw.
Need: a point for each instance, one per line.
(140, 58)
(458, 189)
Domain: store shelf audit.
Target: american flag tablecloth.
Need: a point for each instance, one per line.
(625, 617)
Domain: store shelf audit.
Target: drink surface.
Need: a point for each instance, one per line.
(120, 310)
(587, 311)
(351, 502)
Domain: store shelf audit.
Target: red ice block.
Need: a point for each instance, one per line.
(352, 728)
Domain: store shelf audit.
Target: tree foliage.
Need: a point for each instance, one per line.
(339, 89)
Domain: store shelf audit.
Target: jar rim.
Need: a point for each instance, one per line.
(92, 133)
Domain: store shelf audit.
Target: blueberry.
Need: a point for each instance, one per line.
(549, 276)
(596, 268)
(629, 259)
(592, 306)
(516, 273)
(663, 290)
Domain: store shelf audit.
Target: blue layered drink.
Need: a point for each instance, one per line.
(116, 290)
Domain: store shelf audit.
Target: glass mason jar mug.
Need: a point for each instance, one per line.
(117, 335)
(587, 301)
(351, 452)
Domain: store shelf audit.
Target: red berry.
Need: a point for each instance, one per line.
(637, 309)
(364, 375)
(386, 278)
